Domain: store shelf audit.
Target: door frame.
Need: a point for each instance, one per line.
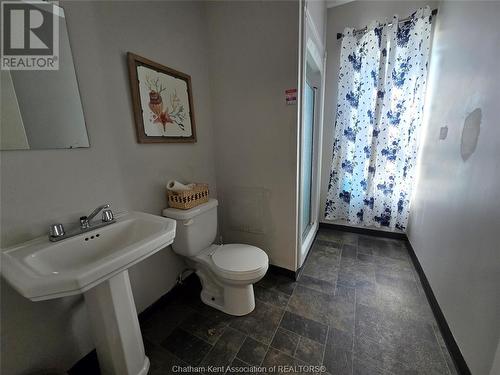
(312, 53)
(312, 197)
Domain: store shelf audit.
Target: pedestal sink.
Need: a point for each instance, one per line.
(95, 263)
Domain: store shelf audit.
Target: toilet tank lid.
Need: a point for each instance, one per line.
(176, 214)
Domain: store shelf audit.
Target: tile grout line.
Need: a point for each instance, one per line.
(236, 357)
(204, 315)
(212, 348)
(237, 351)
(159, 346)
(298, 334)
(387, 257)
(279, 323)
(338, 272)
(282, 352)
(335, 293)
(275, 331)
(373, 341)
(265, 354)
(198, 337)
(246, 363)
(216, 341)
(296, 347)
(254, 339)
(307, 338)
(324, 348)
(279, 326)
(279, 350)
(318, 291)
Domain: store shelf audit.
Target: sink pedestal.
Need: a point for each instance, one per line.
(115, 327)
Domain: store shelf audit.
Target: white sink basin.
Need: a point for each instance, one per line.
(95, 263)
(41, 269)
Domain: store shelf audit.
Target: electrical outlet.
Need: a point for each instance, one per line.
(443, 133)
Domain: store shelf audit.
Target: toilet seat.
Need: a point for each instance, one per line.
(239, 261)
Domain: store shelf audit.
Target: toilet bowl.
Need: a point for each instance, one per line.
(227, 272)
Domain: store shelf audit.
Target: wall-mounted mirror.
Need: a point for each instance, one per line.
(41, 109)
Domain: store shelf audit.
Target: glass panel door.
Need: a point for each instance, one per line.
(307, 159)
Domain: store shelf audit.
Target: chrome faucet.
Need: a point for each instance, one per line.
(57, 232)
(85, 220)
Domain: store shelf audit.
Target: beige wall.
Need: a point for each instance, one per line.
(253, 60)
(455, 216)
(355, 14)
(40, 187)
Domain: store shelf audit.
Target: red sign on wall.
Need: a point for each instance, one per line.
(291, 96)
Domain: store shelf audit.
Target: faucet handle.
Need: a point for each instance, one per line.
(84, 222)
(107, 216)
(56, 230)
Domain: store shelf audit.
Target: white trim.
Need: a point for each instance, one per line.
(315, 33)
(300, 77)
(310, 44)
(315, 54)
(307, 243)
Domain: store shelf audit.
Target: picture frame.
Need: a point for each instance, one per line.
(162, 101)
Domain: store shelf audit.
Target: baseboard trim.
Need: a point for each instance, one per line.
(365, 231)
(165, 299)
(448, 337)
(283, 271)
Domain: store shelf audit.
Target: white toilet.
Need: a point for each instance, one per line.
(227, 272)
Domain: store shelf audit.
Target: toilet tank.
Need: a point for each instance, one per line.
(196, 227)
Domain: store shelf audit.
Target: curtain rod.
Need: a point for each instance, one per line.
(364, 29)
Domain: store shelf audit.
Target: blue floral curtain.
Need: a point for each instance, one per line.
(381, 93)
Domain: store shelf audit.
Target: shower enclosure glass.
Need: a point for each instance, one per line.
(307, 159)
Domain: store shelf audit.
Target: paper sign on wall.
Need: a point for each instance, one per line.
(291, 96)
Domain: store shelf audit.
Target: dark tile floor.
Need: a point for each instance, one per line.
(357, 308)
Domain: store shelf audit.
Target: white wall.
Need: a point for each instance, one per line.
(317, 10)
(40, 187)
(355, 14)
(253, 60)
(455, 218)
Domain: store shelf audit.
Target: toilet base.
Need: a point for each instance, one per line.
(235, 300)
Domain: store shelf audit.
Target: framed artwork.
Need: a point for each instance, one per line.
(162, 101)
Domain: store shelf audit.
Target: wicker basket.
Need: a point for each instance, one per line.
(184, 200)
